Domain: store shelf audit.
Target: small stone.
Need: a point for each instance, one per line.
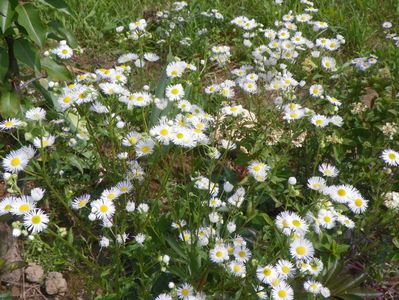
(9, 252)
(55, 284)
(34, 273)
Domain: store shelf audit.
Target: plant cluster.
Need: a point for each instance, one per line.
(218, 158)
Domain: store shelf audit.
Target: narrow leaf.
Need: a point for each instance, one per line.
(28, 18)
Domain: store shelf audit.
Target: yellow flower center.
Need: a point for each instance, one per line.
(185, 292)
(358, 202)
(282, 293)
(145, 149)
(164, 132)
(257, 168)
(296, 223)
(285, 269)
(327, 219)
(65, 51)
(300, 250)
(67, 99)
(8, 123)
(267, 272)
(24, 208)
(103, 208)
(8, 207)
(219, 254)
(132, 140)
(180, 135)
(82, 203)
(392, 156)
(16, 161)
(237, 268)
(341, 192)
(36, 219)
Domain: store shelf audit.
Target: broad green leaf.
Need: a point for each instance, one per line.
(64, 33)
(7, 11)
(55, 71)
(28, 18)
(3, 63)
(9, 104)
(59, 5)
(26, 53)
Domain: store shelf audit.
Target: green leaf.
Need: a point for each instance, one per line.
(3, 63)
(64, 33)
(175, 246)
(7, 11)
(9, 104)
(55, 71)
(6, 296)
(25, 52)
(28, 18)
(349, 284)
(156, 113)
(365, 293)
(59, 5)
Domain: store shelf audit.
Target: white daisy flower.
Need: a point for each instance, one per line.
(301, 249)
(36, 220)
(283, 292)
(144, 147)
(15, 161)
(103, 209)
(320, 121)
(219, 254)
(237, 268)
(316, 91)
(44, 141)
(10, 124)
(316, 183)
(357, 204)
(390, 157)
(174, 92)
(328, 170)
(81, 201)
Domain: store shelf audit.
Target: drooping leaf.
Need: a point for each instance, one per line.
(64, 33)
(26, 53)
(7, 11)
(59, 5)
(3, 63)
(29, 18)
(54, 70)
(9, 103)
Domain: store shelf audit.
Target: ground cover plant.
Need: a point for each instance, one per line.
(212, 151)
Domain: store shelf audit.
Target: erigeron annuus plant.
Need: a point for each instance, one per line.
(171, 189)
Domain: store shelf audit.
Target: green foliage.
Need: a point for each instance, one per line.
(22, 39)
